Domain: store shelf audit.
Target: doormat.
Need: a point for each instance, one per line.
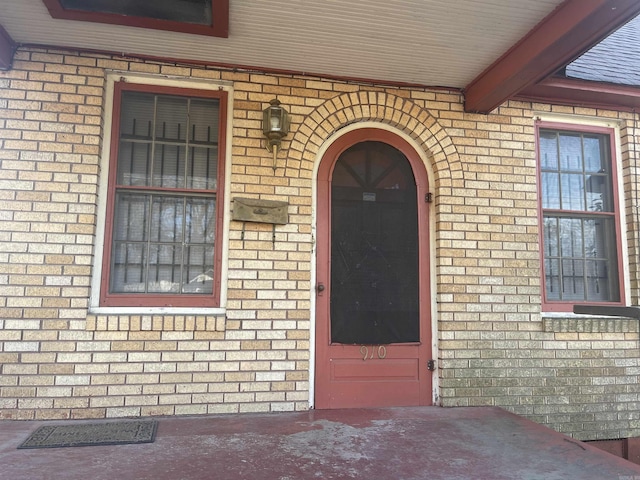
(89, 434)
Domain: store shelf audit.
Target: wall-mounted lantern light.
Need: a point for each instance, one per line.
(275, 126)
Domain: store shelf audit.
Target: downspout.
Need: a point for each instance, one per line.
(635, 204)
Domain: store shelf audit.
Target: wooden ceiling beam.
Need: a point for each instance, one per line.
(7, 49)
(570, 30)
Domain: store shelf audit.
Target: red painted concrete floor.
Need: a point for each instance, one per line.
(374, 444)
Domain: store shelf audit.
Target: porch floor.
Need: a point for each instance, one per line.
(394, 443)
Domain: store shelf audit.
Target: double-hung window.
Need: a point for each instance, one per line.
(164, 201)
(580, 218)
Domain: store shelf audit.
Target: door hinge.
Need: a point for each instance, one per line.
(431, 365)
(428, 197)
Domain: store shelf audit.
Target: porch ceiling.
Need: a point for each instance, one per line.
(426, 42)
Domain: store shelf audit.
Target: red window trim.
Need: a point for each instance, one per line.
(162, 300)
(218, 28)
(567, 306)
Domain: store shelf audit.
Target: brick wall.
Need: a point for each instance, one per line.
(61, 360)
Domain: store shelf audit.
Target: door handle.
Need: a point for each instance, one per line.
(320, 289)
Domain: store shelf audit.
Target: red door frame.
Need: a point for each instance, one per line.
(323, 265)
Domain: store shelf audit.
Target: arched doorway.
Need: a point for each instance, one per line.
(373, 312)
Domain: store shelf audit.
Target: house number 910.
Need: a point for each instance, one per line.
(380, 352)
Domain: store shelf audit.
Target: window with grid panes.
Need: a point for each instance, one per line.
(199, 17)
(164, 196)
(580, 228)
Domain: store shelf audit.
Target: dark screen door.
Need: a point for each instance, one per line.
(374, 251)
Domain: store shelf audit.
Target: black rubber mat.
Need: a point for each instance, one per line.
(88, 434)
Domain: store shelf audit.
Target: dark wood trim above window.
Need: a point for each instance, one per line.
(219, 26)
(583, 93)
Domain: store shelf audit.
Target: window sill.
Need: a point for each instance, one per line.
(157, 311)
(571, 322)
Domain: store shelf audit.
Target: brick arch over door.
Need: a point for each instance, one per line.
(401, 113)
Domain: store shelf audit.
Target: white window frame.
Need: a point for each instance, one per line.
(99, 251)
(569, 121)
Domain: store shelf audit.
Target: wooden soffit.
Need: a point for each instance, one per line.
(567, 32)
(7, 49)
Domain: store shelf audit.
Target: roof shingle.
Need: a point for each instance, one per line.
(616, 59)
